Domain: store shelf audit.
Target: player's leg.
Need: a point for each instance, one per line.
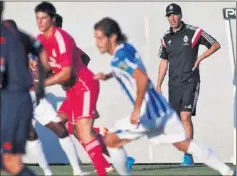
(84, 110)
(122, 133)
(15, 124)
(92, 145)
(47, 116)
(173, 132)
(205, 155)
(188, 109)
(35, 149)
(66, 143)
(175, 99)
(102, 132)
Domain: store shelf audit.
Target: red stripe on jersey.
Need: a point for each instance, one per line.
(162, 43)
(196, 37)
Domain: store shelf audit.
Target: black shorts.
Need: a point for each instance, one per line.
(16, 116)
(184, 98)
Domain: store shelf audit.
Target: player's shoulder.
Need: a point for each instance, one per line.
(62, 34)
(125, 50)
(190, 27)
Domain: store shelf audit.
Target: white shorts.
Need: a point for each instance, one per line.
(170, 130)
(46, 111)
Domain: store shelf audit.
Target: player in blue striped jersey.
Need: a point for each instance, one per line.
(151, 116)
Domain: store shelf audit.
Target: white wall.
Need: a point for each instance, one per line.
(214, 121)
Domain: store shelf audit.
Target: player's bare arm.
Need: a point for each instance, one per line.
(163, 67)
(59, 78)
(141, 82)
(103, 76)
(214, 47)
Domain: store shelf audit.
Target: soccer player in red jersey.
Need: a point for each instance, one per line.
(82, 89)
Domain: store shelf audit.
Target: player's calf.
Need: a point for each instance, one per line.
(206, 155)
(85, 132)
(66, 143)
(117, 153)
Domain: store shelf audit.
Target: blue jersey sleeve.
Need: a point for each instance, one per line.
(124, 62)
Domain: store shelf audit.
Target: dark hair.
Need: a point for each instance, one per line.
(109, 27)
(46, 7)
(1, 9)
(59, 21)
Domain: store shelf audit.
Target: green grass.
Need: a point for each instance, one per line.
(146, 170)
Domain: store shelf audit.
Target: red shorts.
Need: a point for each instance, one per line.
(81, 102)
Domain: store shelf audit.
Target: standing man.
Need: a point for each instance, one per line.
(179, 50)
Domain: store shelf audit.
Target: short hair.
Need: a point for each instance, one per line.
(46, 7)
(59, 21)
(110, 27)
(1, 9)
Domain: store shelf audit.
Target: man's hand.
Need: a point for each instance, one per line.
(100, 76)
(135, 117)
(197, 63)
(158, 89)
(33, 65)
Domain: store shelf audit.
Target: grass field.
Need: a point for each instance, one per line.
(146, 170)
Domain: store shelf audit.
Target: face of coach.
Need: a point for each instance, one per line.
(174, 15)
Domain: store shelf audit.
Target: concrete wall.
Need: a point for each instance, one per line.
(144, 23)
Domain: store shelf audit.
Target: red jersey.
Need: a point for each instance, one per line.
(63, 52)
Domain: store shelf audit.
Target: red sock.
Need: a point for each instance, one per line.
(103, 146)
(94, 150)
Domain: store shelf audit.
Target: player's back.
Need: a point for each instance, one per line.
(126, 60)
(16, 76)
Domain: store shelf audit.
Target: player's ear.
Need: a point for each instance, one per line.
(113, 38)
(54, 20)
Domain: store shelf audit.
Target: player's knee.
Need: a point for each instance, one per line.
(58, 128)
(186, 117)
(110, 141)
(61, 130)
(85, 135)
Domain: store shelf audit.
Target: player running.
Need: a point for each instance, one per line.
(101, 131)
(151, 115)
(82, 89)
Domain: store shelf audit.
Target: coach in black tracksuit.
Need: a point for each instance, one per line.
(179, 50)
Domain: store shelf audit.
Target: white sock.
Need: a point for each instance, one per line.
(75, 142)
(118, 158)
(69, 149)
(36, 151)
(208, 157)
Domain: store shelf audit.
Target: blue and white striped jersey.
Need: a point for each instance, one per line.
(125, 60)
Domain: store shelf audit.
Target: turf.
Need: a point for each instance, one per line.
(140, 169)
